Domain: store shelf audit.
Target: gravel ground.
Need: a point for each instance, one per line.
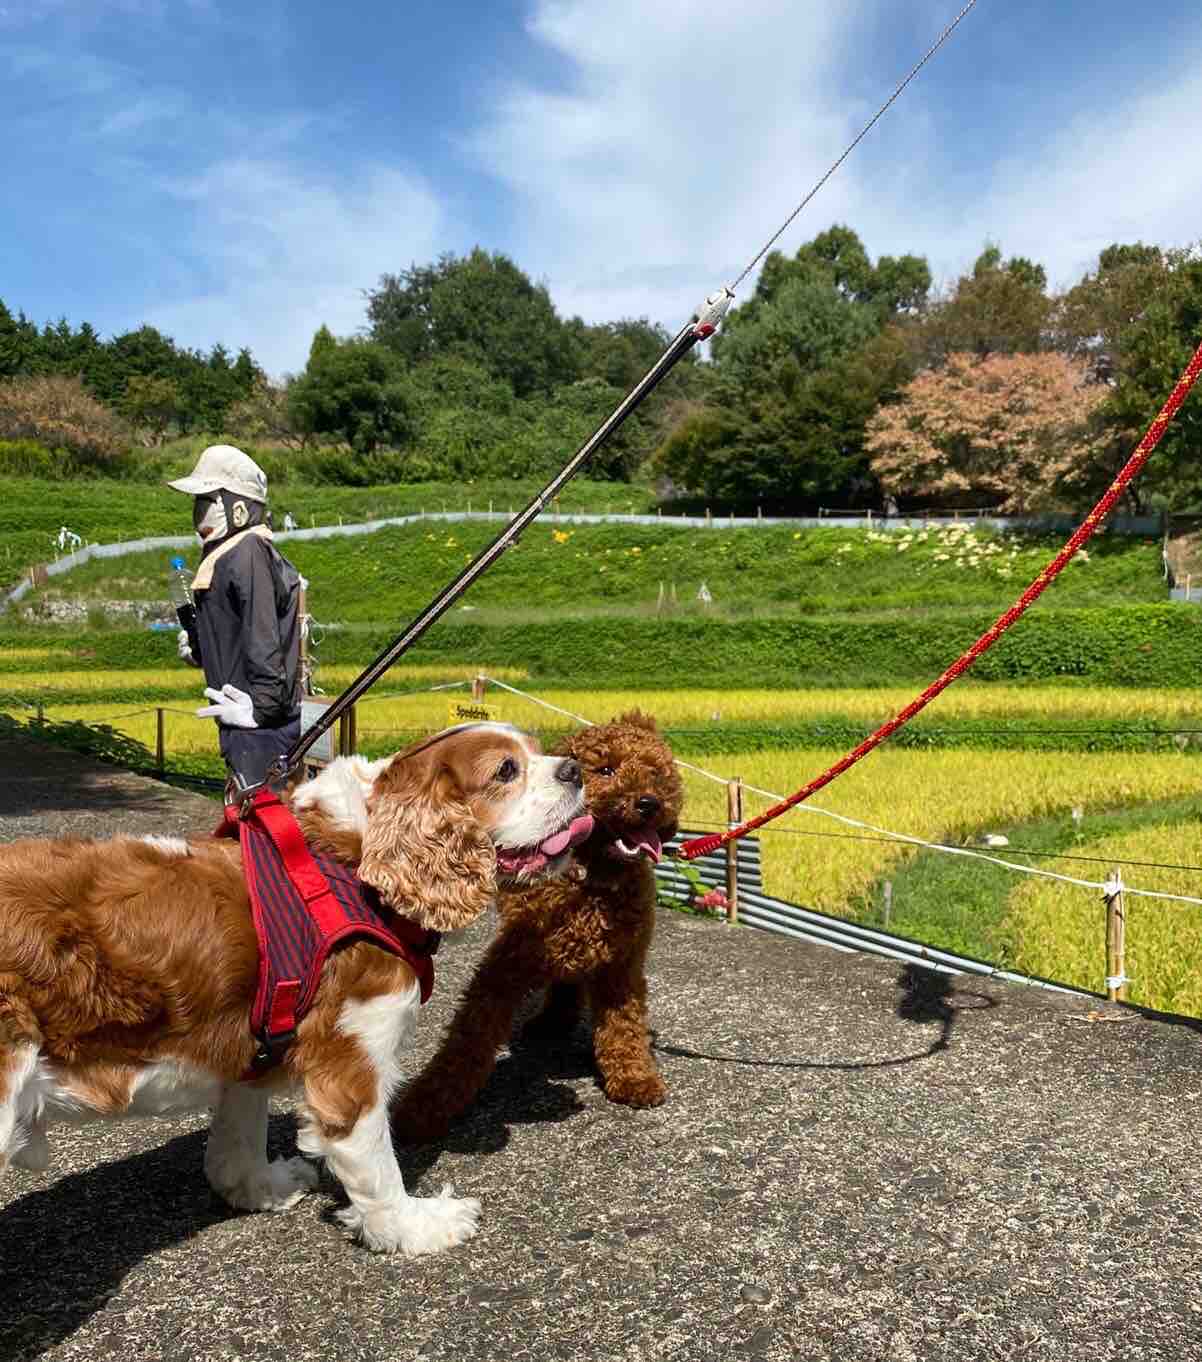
(852, 1164)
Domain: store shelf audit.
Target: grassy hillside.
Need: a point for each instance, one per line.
(104, 511)
(619, 570)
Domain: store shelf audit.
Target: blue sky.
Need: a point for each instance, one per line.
(239, 172)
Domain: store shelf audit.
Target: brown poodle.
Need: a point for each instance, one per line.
(588, 940)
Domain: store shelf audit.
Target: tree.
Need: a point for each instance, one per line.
(1000, 308)
(60, 413)
(264, 416)
(797, 371)
(797, 446)
(18, 344)
(151, 405)
(481, 308)
(1015, 431)
(1136, 320)
(358, 392)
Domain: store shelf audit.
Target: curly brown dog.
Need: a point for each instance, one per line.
(588, 940)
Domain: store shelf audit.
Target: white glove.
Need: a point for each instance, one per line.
(185, 648)
(230, 706)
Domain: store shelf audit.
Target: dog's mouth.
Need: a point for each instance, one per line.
(524, 862)
(635, 845)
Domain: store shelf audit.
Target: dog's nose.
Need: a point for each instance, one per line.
(568, 771)
(647, 805)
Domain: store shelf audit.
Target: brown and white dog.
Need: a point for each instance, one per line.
(128, 969)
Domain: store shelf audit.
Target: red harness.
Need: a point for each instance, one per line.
(305, 903)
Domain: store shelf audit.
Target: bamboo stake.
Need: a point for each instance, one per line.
(1116, 939)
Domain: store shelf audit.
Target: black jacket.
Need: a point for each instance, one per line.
(248, 628)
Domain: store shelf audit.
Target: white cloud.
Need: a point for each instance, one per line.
(289, 251)
(1128, 170)
(684, 133)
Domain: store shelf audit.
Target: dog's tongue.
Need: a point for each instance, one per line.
(571, 836)
(649, 842)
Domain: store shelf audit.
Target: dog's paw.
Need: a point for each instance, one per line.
(273, 1187)
(638, 1090)
(417, 1225)
(33, 1154)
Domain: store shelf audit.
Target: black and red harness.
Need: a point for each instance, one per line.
(304, 904)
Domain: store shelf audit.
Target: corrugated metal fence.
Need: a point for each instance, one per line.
(762, 911)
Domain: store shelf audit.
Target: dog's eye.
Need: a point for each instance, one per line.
(507, 771)
(603, 770)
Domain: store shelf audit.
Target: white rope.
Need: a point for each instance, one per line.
(417, 690)
(969, 852)
(871, 827)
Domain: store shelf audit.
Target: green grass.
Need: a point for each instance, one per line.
(105, 511)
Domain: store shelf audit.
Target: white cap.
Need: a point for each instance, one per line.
(223, 466)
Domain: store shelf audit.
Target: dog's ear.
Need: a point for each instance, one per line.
(635, 718)
(423, 849)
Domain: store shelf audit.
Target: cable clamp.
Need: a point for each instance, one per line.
(1113, 887)
(711, 312)
(1117, 980)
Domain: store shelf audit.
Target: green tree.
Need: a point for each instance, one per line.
(798, 446)
(150, 405)
(481, 308)
(797, 371)
(357, 392)
(1001, 308)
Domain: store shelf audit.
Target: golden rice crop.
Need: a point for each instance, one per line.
(164, 683)
(1060, 928)
(937, 795)
(683, 708)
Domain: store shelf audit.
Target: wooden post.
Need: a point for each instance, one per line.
(348, 735)
(160, 748)
(478, 684)
(41, 716)
(1116, 939)
(708, 518)
(734, 816)
(888, 901)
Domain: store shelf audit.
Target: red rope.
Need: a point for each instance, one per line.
(700, 846)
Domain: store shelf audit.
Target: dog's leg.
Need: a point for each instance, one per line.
(236, 1156)
(621, 1042)
(21, 1137)
(346, 1122)
(468, 1053)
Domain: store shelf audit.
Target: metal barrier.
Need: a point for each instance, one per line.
(768, 914)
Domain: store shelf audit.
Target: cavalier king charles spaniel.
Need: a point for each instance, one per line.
(128, 969)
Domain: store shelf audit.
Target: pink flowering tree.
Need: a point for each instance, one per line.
(1014, 431)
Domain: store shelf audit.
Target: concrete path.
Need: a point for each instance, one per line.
(852, 1164)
